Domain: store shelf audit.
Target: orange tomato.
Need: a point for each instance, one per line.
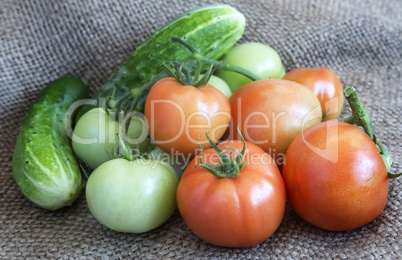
(179, 116)
(335, 177)
(271, 113)
(325, 85)
(234, 212)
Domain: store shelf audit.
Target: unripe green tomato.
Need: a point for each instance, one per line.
(220, 85)
(132, 196)
(94, 140)
(137, 135)
(255, 57)
(94, 137)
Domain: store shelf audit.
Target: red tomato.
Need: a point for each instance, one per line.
(234, 212)
(325, 85)
(335, 177)
(271, 113)
(178, 116)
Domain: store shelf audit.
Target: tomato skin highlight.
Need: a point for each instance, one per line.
(341, 195)
(172, 110)
(233, 212)
(326, 86)
(271, 113)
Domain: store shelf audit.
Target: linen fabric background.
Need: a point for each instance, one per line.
(43, 40)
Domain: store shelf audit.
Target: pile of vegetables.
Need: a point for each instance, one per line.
(220, 132)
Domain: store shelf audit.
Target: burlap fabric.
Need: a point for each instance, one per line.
(42, 40)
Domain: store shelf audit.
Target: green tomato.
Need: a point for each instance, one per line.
(255, 57)
(219, 84)
(137, 135)
(132, 196)
(94, 140)
(94, 137)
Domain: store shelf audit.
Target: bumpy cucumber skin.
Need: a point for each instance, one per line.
(212, 30)
(43, 162)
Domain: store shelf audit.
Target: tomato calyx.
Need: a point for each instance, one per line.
(360, 117)
(182, 73)
(228, 167)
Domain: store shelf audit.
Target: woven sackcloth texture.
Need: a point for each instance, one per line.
(43, 40)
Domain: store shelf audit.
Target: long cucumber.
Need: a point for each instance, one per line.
(43, 162)
(212, 30)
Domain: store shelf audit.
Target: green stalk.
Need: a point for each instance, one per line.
(217, 64)
(348, 120)
(359, 113)
(231, 67)
(361, 118)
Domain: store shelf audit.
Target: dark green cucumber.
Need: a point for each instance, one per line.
(212, 30)
(43, 162)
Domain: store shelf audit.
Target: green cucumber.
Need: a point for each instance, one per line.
(212, 30)
(43, 162)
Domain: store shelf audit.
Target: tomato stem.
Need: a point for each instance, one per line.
(184, 43)
(360, 117)
(223, 65)
(348, 120)
(217, 64)
(123, 146)
(84, 171)
(359, 113)
(228, 167)
(388, 160)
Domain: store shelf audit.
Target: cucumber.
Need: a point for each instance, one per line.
(43, 163)
(212, 30)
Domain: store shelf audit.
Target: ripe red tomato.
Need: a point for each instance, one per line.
(235, 212)
(325, 85)
(271, 113)
(335, 177)
(178, 116)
